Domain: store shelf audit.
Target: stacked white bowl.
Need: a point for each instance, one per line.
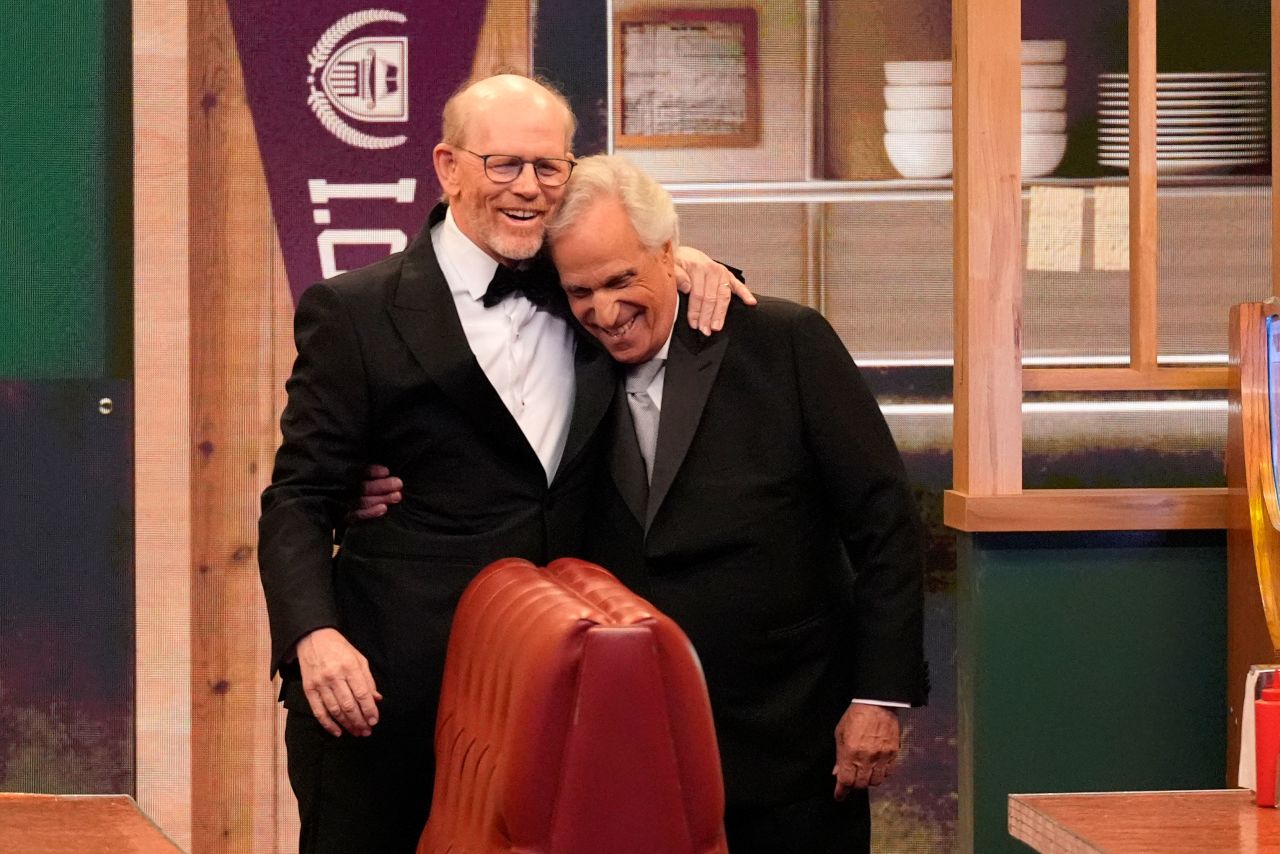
(917, 118)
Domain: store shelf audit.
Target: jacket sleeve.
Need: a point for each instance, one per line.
(319, 462)
(878, 521)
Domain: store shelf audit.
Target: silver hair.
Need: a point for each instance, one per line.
(647, 203)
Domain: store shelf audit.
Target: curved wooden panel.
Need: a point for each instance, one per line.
(1253, 541)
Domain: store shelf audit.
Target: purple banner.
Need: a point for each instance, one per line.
(346, 100)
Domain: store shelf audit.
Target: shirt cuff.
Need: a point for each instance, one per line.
(894, 704)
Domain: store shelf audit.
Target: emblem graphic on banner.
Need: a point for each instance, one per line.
(348, 154)
(366, 79)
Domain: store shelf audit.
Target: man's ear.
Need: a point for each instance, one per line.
(668, 256)
(446, 163)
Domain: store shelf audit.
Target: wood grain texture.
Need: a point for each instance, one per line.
(233, 256)
(283, 354)
(162, 427)
(1221, 821)
(988, 247)
(78, 824)
(1088, 510)
(1123, 379)
(1253, 533)
(1144, 247)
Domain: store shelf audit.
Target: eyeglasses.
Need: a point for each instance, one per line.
(505, 168)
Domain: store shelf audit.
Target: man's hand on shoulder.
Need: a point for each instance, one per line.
(711, 286)
(337, 682)
(867, 743)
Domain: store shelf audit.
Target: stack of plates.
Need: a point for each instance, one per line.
(1205, 121)
(917, 117)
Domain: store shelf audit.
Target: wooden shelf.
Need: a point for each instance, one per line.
(1124, 379)
(1088, 510)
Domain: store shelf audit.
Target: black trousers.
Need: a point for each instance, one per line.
(360, 795)
(820, 825)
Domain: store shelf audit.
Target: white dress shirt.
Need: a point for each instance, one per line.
(527, 354)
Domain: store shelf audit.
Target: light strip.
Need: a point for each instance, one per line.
(1071, 407)
(1051, 361)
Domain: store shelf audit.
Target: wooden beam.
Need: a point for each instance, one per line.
(1144, 247)
(233, 253)
(1087, 510)
(1124, 379)
(988, 246)
(162, 427)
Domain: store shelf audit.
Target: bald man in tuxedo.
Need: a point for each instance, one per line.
(454, 363)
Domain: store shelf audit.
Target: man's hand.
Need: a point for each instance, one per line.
(338, 684)
(867, 741)
(710, 287)
(377, 491)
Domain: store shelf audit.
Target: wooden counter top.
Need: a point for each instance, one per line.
(78, 824)
(1221, 821)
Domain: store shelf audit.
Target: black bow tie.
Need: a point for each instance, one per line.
(531, 282)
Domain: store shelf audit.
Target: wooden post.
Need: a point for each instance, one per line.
(1143, 234)
(234, 256)
(162, 428)
(988, 247)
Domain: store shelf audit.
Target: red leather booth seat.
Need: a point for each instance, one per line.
(573, 720)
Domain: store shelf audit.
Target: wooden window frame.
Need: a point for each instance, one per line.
(989, 378)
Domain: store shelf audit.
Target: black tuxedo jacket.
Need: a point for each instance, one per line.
(384, 373)
(779, 531)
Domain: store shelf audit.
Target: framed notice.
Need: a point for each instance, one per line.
(686, 78)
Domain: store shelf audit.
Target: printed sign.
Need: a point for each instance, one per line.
(346, 102)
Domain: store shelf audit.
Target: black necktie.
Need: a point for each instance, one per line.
(530, 281)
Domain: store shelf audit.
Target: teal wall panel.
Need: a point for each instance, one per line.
(1087, 662)
(65, 171)
(66, 459)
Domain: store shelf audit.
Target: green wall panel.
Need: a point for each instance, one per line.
(1088, 662)
(64, 171)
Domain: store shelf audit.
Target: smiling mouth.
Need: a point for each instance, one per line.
(619, 332)
(521, 215)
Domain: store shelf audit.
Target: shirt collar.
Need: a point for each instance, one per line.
(661, 355)
(474, 266)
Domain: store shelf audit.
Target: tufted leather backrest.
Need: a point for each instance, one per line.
(573, 720)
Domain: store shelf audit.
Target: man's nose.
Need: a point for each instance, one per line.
(526, 183)
(606, 309)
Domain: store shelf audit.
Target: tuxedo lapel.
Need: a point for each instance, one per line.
(423, 313)
(693, 362)
(595, 379)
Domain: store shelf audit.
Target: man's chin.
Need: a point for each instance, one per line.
(626, 353)
(517, 248)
